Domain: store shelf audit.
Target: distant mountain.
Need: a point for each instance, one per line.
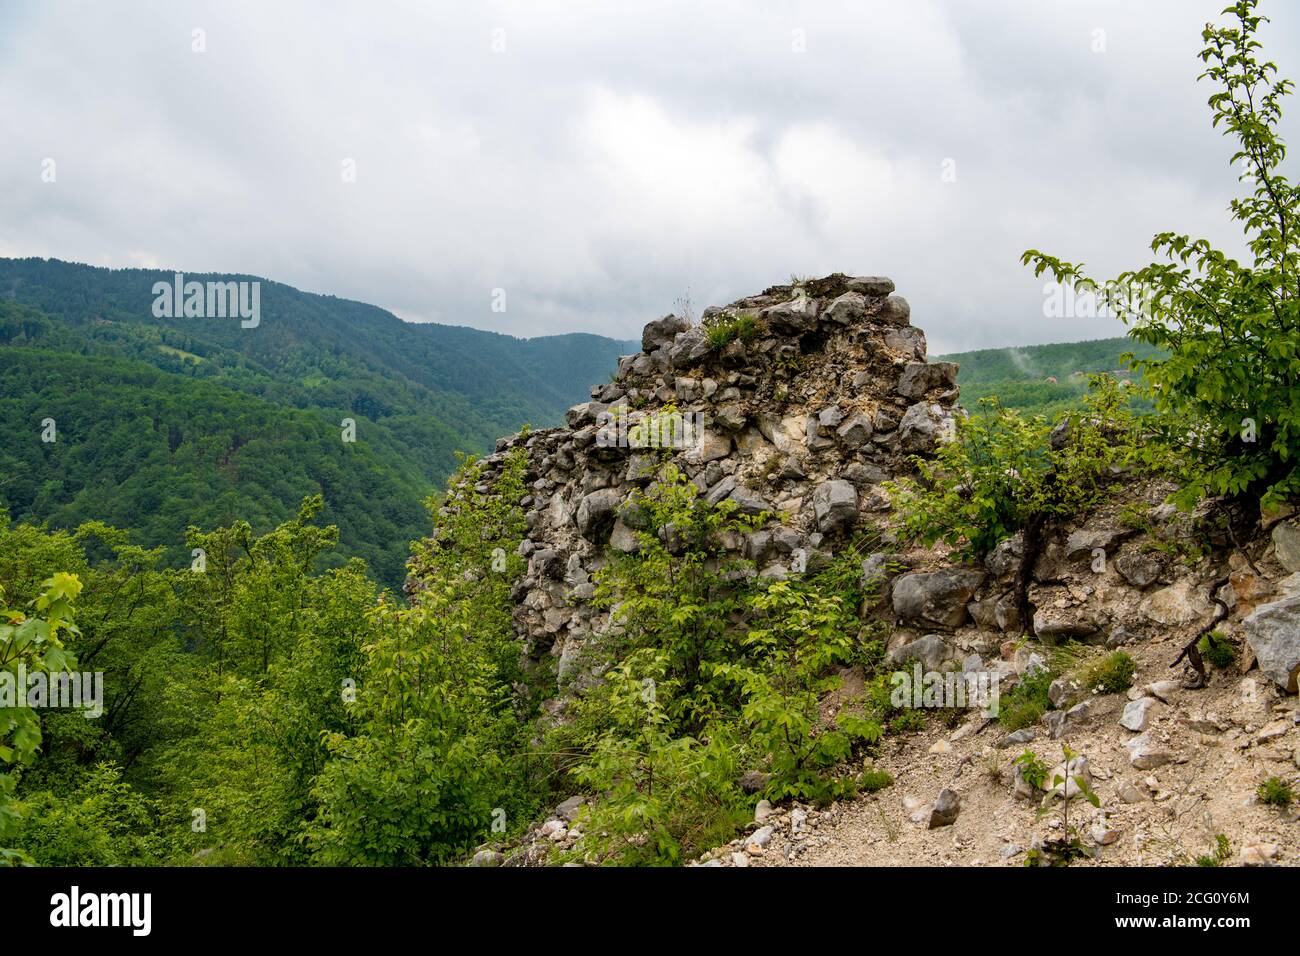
(161, 422)
(1039, 379)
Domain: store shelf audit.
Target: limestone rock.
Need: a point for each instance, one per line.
(796, 316)
(596, 512)
(936, 597)
(918, 378)
(931, 651)
(871, 285)
(661, 332)
(1136, 714)
(846, 309)
(1146, 754)
(1273, 632)
(895, 311)
(688, 348)
(855, 431)
(1141, 568)
(835, 504)
(1286, 545)
(946, 808)
(1181, 603)
(923, 426)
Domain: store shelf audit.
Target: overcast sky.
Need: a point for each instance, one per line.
(599, 160)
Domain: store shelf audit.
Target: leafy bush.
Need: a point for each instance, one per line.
(1002, 473)
(663, 797)
(1227, 388)
(712, 672)
(797, 636)
(104, 822)
(1032, 769)
(1275, 792)
(724, 328)
(1024, 704)
(1110, 674)
(1217, 649)
(34, 644)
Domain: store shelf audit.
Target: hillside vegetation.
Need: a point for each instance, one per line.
(669, 639)
(163, 423)
(1020, 377)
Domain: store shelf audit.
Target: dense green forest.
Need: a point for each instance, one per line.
(1020, 377)
(163, 423)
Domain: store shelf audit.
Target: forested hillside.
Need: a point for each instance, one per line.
(162, 423)
(621, 645)
(1021, 377)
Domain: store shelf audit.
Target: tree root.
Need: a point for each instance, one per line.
(1190, 650)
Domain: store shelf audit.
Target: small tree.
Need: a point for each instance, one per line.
(1005, 474)
(1230, 386)
(34, 645)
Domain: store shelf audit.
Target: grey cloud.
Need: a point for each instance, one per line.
(613, 157)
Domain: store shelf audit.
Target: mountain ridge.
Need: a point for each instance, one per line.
(418, 393)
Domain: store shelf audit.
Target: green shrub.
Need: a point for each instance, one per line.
(869, 781)
(1275, 792)
(1026, 703)
(1032, 769)
(907, 722)
(1110, 674)
(664, 797)
(1216, 857)
(723, 329)
(1229, 325)
(1217, 649)
(1001, 473)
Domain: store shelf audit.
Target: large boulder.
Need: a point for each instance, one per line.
(749, 501)
(1060, 621)
(1084, 541)
(895, 311)
(596, 513)
(936, 597)
(1141, 568)
(1273, 632)
(855, 431)
(545, 563)
(797, 316)
(1286, 545)
(923, 426)
(908, 339)
(849, 308)
(688, 348)
(871, 285)
(930, 651)
(661, 332)
(835, 504)
(711, 446)
(920, 377)
(1181, 603)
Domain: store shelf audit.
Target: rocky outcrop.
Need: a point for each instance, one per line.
(936, 597)
(800, 421)
(797, 405)
(1273, 632)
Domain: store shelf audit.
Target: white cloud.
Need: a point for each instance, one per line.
(613, 157)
